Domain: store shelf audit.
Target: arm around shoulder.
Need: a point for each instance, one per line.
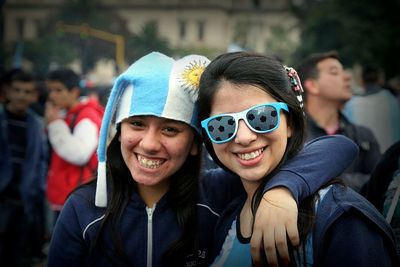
(320, 160)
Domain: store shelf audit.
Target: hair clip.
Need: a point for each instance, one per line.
(295, 84)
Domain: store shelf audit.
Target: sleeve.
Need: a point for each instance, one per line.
(76, 147)
(67, 247)
(350, 241)
(318, 162)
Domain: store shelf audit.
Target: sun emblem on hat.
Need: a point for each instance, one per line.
(190, 78)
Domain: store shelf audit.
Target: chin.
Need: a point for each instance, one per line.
(253, 176)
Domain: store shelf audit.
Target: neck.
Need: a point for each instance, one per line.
(246, 219)
(325, 114)
(246, 215)
(15, 111)
(152, 194)
(74, 104)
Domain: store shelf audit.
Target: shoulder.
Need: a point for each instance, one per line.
(361, 132)
(343, 202)
(84, 195)
(35, 117)
(90, 108)
(349, 231)
(346, 199)
(217, 178)
(364, 131)
(80, 206)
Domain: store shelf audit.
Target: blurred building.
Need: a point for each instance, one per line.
(254, 24)
(208, 27)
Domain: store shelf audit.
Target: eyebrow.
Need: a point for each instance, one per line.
(164, 120)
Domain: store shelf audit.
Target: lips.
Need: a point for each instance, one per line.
(250, 155)
(149, 163)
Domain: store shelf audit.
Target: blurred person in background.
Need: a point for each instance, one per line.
(39, 105)
(2, 87)
(73, 125)
(376, 108)
(23, 165)
(327, 88)
(101, 92)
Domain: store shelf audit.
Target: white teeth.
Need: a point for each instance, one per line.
(252, 155)
(148, 163)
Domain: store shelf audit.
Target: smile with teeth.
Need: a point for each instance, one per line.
(149, 163)
(251, 155)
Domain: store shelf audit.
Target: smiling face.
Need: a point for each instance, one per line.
(250, 155)
(155, 148)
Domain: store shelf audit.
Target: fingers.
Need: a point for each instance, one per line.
(275, 222)
(281, 244)
(51, 112)
(270, 249)
(256, 247)
(293, 233)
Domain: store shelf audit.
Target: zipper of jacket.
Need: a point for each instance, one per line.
(150, 212)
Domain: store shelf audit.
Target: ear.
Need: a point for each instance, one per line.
(289, 131)
(194, 150)
(76, 91)
(311, 86)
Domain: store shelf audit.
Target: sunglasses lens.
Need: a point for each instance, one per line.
(221, 128)
(263, 118)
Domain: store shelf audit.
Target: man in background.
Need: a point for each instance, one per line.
(376, 108)
(23, 165)
(327, 88)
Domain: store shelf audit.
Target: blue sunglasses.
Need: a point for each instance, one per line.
(262, 118)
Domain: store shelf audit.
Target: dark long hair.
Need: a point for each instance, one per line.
(182, 194)
(268, 74)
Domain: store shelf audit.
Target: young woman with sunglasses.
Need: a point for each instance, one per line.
(148, 206)
(252, 113)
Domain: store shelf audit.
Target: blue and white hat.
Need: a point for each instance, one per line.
(154, 85)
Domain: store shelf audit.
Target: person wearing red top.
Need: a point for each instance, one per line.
(73, 125)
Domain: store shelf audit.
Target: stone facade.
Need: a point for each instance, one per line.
(185, 24)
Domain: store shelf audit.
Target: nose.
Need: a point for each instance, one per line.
(151, 141)
(347, 76)
(244, 135)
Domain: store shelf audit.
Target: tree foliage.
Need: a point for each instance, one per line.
(362, 31)
(59, 47)
(48, 50)
(146, 41)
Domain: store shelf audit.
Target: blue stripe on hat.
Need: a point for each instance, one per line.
(146, 82)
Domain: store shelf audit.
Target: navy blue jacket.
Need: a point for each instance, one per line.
(358, 173)
(348, 231)
(77, 225)
(34, 167)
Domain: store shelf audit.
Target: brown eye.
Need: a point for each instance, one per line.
(136, 123)
(171, 130)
